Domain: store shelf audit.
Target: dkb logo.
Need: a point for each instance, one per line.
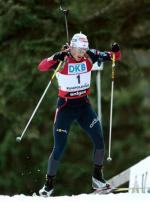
(77, 68)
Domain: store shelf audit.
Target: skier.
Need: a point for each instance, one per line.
(73, 104)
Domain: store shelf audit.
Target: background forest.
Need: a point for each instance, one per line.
(31, 30)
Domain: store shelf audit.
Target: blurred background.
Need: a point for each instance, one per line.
(31, 30)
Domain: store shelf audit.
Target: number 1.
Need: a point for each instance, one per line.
(78, 77)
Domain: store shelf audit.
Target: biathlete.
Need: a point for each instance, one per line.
(73, 104)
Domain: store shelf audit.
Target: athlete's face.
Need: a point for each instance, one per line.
(78, 53)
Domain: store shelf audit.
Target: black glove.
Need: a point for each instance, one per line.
(60, 56)
(115, 47)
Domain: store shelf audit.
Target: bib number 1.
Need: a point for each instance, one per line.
(78, 78)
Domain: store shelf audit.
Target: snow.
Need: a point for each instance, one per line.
(121, 197)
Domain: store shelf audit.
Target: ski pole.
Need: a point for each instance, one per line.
(19, 138)
(65, 11)
(111, 107)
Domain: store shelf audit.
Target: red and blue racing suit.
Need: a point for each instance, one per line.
(73, 104)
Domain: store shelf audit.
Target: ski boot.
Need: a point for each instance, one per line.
(98, 182)
(48, 188)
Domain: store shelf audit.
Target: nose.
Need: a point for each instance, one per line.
(81, 51)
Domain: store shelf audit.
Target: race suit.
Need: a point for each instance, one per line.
(74, 79)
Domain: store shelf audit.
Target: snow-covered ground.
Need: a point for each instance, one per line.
(122, 197)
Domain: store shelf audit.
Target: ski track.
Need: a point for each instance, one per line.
(120, 197)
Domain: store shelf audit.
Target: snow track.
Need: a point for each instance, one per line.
(121, 197)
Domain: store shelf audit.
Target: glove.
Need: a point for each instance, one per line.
(60, 56)
(115, 47)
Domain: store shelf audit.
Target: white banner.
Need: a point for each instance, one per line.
(139, 181)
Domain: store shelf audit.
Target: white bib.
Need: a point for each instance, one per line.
(74, 82)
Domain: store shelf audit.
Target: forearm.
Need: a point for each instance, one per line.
(102, 56)
(51, 62)
(47, 64)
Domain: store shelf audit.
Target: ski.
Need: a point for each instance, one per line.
(108, 190)
(105, 190)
